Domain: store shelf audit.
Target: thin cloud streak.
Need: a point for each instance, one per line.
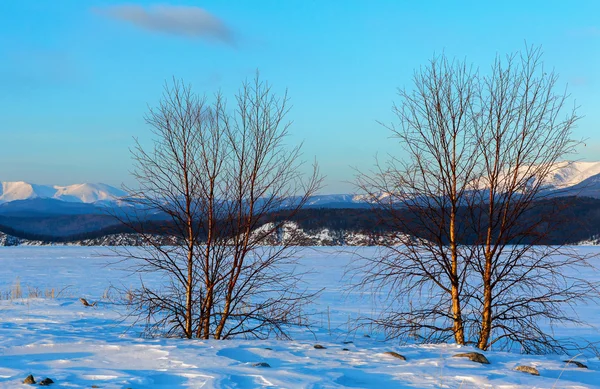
(191, 22)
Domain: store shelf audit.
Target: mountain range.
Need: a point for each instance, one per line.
(79, 193)
(88, 211)
(569, 178)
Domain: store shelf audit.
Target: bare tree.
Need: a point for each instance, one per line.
(478, 150)
(422, 196)
(217, 174)
(523, 131)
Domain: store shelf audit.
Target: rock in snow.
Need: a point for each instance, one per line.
(29, 380)
(578, 364)
(395, 355)
(528, 369)
(46, 382)
(473, 356)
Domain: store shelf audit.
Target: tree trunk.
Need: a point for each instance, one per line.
(459, 333)
(188, 294)
(486, 314)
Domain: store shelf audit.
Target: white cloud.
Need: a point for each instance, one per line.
(193, 22)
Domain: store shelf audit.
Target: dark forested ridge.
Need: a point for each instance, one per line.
(569, 220)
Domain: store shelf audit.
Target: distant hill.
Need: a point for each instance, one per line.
(47, 207)
(79, 193)
(60, 213)
(567, 179)
(571, 174)
(575, 219)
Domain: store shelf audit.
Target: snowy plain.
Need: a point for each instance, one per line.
(79, 347)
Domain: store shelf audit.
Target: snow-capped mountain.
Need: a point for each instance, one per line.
(79, 193)
(568, 178)
(346, 200)
(571, 174)
(335, 201)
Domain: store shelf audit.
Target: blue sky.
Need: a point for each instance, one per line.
(76, 77)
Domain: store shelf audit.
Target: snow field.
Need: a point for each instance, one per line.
(79, 347)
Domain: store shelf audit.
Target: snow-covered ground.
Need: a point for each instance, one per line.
(79, 347)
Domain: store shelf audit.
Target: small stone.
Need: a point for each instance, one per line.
(528, 369)
(46, 382)
(319, 347)
(261, 364)
(475, 357)
(578, 364)
(395, 355)
(29, 380)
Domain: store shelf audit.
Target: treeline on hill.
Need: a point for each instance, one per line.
(567, 220)
(572, 219)
(54, 227)
(58, 235)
